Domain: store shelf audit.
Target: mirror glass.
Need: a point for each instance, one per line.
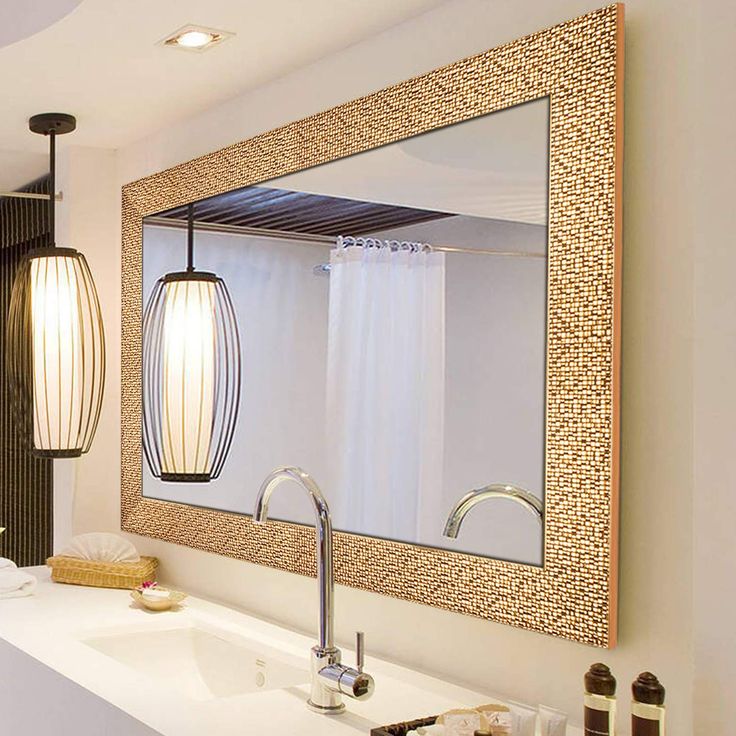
(391, 309)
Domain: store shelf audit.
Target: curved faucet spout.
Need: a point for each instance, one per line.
(325, 578)
(274, 479)
(496, 490)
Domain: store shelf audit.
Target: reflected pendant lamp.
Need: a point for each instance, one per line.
(191, 373)
(55, 337)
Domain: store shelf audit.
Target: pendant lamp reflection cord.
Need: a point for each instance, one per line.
(190, 238)
(52, 187)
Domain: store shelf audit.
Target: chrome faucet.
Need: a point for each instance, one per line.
(496, 490)
(330, 679)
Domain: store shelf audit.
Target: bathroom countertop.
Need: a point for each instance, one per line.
(51, 625)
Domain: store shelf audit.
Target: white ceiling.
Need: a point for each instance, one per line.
(20, 20)
(101, 61)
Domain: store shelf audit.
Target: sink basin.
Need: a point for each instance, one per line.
(203, 663)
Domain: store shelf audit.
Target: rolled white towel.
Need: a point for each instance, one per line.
(6, 564)
(16, 584)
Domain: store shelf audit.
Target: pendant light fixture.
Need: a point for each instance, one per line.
(55, 350)
(191, 373)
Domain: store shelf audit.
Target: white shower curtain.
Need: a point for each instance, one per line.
(385, 390)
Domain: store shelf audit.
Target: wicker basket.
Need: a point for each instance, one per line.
(401, 729)
(102, 574)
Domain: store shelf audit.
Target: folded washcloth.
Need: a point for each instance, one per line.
(16, 584)
(6, 564)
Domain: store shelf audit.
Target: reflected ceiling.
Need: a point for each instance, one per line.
(296, 212)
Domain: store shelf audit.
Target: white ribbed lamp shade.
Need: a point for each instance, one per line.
(191, 377)
(56, 352)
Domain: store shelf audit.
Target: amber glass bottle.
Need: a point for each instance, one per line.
(647, 706)
(600, 701)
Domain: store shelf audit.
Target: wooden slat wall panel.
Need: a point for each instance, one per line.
(26, 482)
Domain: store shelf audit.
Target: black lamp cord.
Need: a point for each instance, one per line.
(52, 187)
(190, 238)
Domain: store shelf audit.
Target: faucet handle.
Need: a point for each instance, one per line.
(359, 650)
(340, 678)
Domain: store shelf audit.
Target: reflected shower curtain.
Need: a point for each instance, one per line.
(385, 390)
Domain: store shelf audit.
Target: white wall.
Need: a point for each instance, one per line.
(714, 349)
(658, 630)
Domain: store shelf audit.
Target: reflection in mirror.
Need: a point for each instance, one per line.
(392, 316)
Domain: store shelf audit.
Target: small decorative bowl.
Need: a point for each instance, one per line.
(173, 600)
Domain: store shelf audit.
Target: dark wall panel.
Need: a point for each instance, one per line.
(26, 482)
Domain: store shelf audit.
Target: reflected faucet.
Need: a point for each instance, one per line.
(330, 679)
(496, 490)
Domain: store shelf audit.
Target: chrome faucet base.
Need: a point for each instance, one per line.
(326, 710)
(331, 679)
(324, 698)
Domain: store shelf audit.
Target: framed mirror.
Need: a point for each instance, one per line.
(421, 306)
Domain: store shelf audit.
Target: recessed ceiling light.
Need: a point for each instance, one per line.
(195, 38)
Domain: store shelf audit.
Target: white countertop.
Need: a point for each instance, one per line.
(50, 626)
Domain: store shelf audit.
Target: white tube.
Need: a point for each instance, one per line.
(523, 718)
(553, 721)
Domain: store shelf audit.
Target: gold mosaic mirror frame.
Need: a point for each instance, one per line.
(577, 64)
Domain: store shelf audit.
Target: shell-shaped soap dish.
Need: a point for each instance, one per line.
(155, 598)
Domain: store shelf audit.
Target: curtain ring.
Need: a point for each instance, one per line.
(346, 241)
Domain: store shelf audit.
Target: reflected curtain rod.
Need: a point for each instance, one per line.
(318, 240)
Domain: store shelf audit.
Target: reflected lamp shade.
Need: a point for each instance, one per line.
(191, 377)
(56, 352)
